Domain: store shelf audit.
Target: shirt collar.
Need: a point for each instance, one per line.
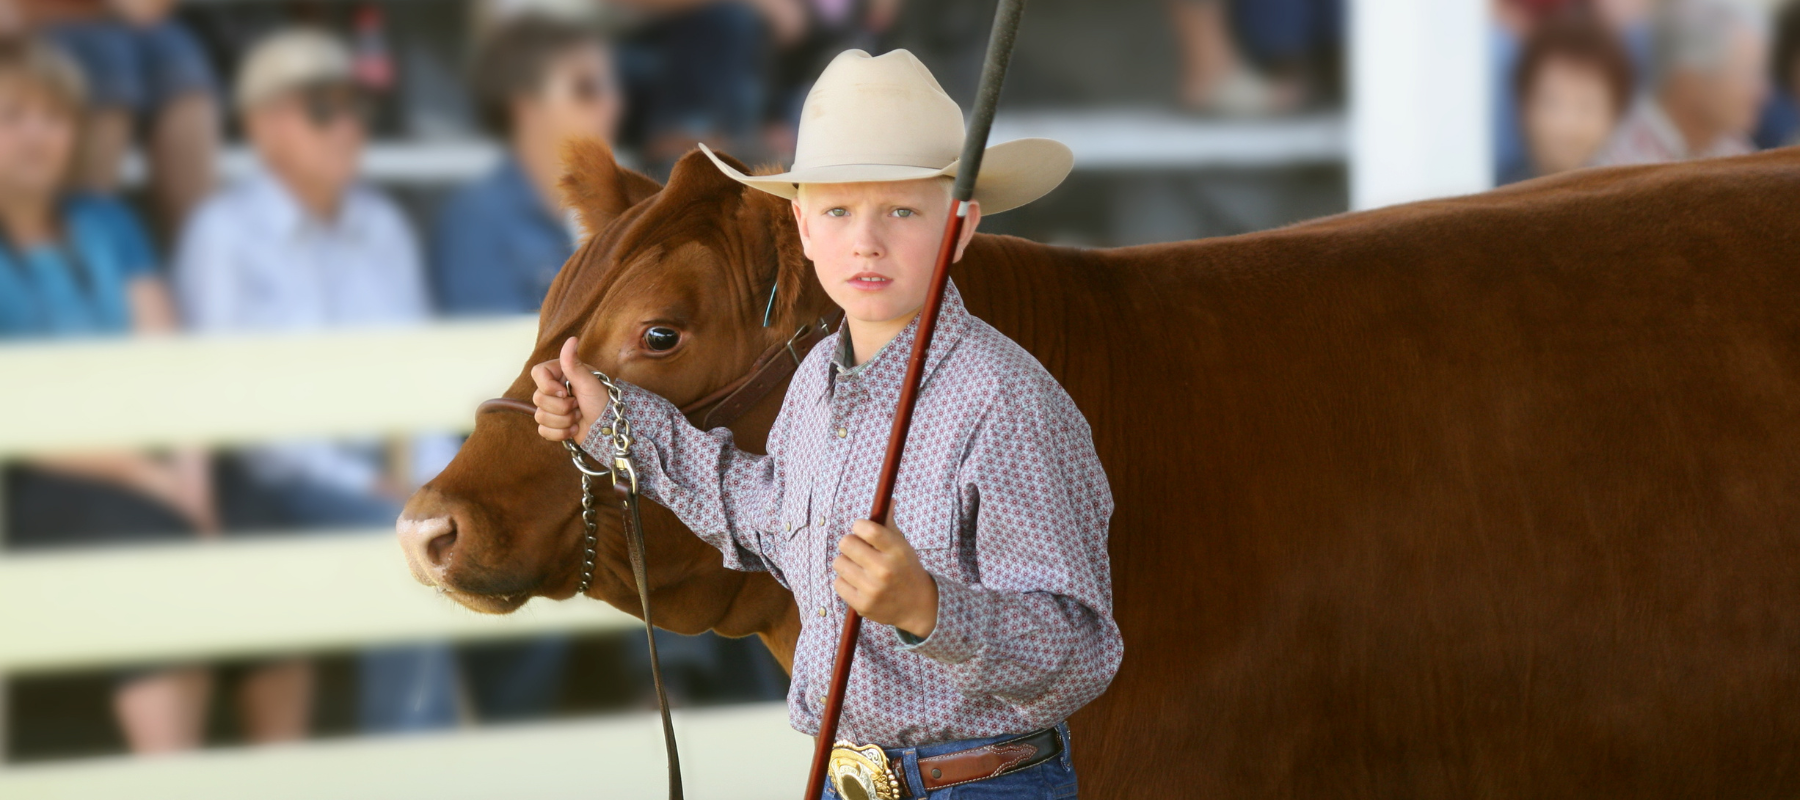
(843, 362)
(511, 179)
(277, 205)
(1657, 121)
(883, 373)
(519, 193)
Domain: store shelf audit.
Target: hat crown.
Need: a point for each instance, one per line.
(291, 59)
(885, 109)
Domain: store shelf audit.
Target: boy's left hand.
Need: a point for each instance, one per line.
(880, 576)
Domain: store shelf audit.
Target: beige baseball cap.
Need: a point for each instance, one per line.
(291, 60)
(885, 118)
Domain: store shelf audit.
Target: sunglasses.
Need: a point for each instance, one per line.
(327, 106)
(584, 88)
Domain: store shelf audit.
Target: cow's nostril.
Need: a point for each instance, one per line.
(427, 543)
(437, 551)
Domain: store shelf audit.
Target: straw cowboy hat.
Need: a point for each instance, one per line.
(290, 60)
(884, 118)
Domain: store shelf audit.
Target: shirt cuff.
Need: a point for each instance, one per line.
(955, 638)
(648, 415)
(641, 411)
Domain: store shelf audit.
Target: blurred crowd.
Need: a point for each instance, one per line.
(1606, 82)
(303, 242)
(299, 243)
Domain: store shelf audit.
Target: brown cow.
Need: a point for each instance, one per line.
(1496, 496)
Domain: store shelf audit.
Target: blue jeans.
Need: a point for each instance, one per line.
(516, 680)
(1281, 31)
(1051, 780)
(400, 688)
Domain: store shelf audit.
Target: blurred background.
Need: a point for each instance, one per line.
(239, 239)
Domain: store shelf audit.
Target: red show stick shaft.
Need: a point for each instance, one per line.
(884, 489)
(987, 98)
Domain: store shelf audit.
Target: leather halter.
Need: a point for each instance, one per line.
(726, 404)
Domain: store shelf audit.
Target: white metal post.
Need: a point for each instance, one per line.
(1419, 100)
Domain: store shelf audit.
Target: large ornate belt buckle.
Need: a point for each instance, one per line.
(862, 773)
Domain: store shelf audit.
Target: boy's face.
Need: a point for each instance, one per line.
(874, 244)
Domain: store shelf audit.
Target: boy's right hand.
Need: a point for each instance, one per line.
(559, 416)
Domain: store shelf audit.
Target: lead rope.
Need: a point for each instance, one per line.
(624, 480)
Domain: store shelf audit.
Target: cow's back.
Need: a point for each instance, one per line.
(1487, 496)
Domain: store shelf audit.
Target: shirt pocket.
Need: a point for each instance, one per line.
(926, 513)
(779, 542)
(796, 515)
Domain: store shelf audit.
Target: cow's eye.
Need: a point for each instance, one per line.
(660, 339)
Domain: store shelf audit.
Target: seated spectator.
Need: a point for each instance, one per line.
(1251, 57)
(1572, 85)
(499, 241)
(75, 264)
(1780, 123)
(694, 70)
(1633, 22)
(1510, 22)
(301, 245)
(1706, 90)
(145, 71)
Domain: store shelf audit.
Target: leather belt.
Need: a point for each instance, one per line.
(989, 761)
(867, 772)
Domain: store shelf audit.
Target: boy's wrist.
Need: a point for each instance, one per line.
(921, 623)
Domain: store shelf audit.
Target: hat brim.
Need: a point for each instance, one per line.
(1012, 174)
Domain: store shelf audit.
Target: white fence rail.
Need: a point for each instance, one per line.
(249, 596)
(743, 753)
(1102, 138)
(234, 598)
(203, 390)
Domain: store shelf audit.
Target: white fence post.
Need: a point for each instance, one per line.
(1419, 100)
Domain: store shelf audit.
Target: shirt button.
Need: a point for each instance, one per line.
(786, 527)
(821, 611)
(842, 432)
(821, 522)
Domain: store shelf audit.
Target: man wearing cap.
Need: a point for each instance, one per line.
(990, 585)
(301, 245)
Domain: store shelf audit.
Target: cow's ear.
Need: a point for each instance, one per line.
(696, 176)
(597, 187)
(773, 217)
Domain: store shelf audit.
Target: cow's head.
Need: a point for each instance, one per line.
(668, 292)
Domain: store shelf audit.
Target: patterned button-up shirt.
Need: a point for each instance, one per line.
(1000, 492)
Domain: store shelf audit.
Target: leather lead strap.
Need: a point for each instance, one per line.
(634, 547)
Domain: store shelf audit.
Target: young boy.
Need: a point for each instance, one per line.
(990, 585)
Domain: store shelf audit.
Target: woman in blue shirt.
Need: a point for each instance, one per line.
(73, 265)
(499, 241)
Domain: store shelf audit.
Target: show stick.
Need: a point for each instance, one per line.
(987, 97)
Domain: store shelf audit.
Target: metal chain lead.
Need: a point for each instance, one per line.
(618, 429)
(591, 543)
